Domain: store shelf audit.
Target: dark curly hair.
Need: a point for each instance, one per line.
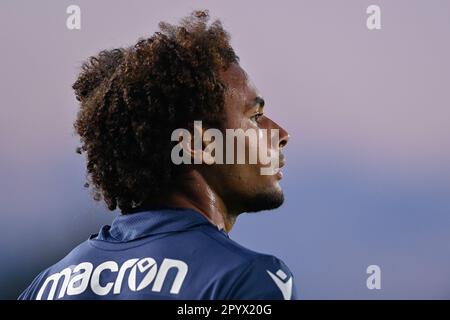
(131, 99)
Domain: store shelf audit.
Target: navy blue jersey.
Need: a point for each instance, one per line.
(163, 254)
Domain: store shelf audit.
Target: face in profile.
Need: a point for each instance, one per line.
(243, 187)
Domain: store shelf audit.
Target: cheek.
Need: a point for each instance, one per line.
(252, 144)
(261, 147)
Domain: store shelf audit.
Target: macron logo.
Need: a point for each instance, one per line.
(284, 285)
(108, 277)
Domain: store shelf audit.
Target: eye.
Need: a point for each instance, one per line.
(257, 116)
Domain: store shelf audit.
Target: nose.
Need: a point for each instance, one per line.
(283, 136)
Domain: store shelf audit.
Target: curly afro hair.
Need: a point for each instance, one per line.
(131, 99)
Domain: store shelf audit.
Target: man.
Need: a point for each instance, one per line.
(171, 241)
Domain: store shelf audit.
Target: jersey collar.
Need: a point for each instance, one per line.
(141, 224)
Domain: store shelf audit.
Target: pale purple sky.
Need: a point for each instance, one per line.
(368, 163)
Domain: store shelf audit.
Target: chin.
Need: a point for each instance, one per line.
(265, 200)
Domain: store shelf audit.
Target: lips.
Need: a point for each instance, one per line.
(282, 161)
(281, 164)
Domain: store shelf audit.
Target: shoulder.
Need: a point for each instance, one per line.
(264, 277)
(252, 275)
(32, 291)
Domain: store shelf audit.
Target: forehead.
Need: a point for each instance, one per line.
(239, 85)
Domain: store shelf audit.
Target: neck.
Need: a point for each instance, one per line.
(195, 193)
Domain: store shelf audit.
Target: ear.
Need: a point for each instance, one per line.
(213, 144)
(194, 147)
(197, 147)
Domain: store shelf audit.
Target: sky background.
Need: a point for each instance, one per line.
(367, 179)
